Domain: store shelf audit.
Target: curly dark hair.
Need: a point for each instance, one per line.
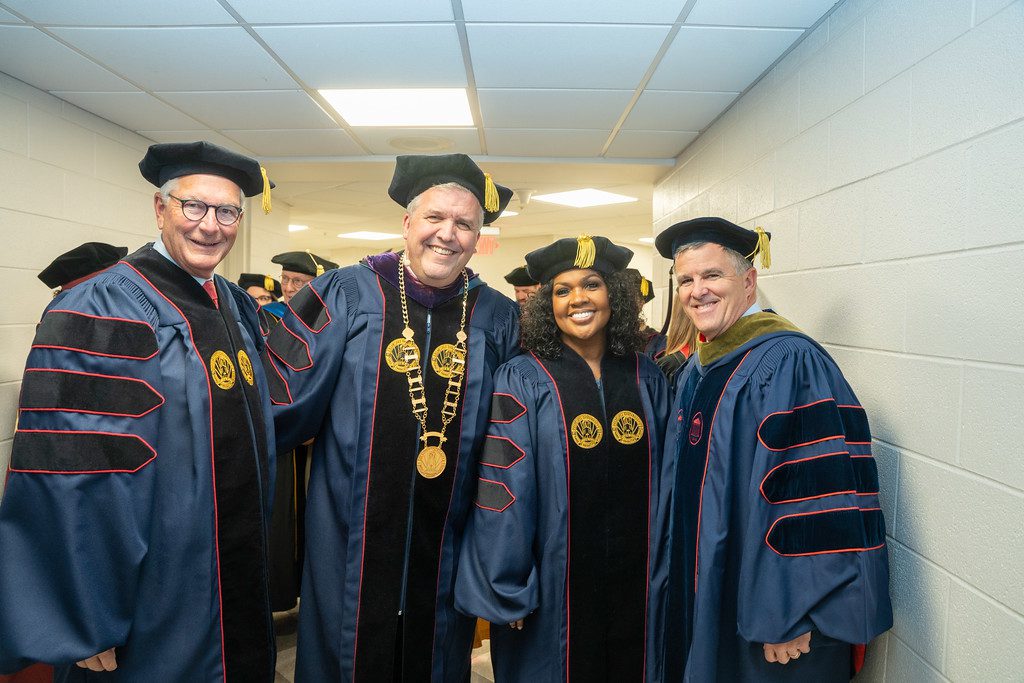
(540, 334)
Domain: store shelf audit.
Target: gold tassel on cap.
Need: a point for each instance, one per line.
(268, 283)
(490, 194)
(762, 248)
(266, 190)
(319, 268)
(645, 287)
(585, 251)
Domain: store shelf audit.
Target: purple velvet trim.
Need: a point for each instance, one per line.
(386, 265)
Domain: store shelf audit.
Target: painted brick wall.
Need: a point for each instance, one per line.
(886, 155)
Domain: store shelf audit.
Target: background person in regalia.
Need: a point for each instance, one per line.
(564, 546)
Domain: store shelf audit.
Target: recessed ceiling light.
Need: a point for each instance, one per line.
(297, 228)
(584, 198)
(491, 230)
(413, 107)
(369, 235)
(647, 240)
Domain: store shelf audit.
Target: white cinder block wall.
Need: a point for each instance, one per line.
(886, 155)
(68, 177)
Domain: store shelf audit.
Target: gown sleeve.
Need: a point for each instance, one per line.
(305, 353)
(498, 574)
(814, 553)
(74, 520)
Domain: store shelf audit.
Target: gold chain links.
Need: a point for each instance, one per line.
(432, 465)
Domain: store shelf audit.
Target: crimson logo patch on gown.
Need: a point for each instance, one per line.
(696, 429)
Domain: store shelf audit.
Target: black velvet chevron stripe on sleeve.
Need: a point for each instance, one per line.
(67, 452)
(100, 336)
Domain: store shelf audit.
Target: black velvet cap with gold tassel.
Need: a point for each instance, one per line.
(304, 262)
(169, 160)
(596, 253)
(747, 243)
(246, 280)
(643, 285)
(415, 173)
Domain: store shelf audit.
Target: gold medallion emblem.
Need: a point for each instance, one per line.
(245, 365)
(402, 355)
(627, 427)
(586, 431)
(222, 370)
(430, 462)
(444, 359)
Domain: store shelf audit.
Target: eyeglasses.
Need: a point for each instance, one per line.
(195, 210)
(298, 282)
(265, 299)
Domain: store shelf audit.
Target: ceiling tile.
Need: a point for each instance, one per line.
(667, 110)
(649, 144)
(122, 12)
(33, 57)
(545, 143)
(719, 59)
(277, 12)
(297, 143)
(552, 108)
(132, 110)
(464, 140)
(258, 110)
(535, 56)
(792, 13)
(8, 18)
(576, 11)
(182, 58)
(407, 56)
(193, 135)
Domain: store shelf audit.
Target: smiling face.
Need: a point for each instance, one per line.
(579, 301)
(441, 232)
(197, 246)
(713, 295)
(292, 282)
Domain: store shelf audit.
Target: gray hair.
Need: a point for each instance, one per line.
(415, 202)
(739, 262)
(171, 186)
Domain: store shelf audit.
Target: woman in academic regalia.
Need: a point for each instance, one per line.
(564, 551)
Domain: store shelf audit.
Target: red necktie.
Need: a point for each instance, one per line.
(212, 291)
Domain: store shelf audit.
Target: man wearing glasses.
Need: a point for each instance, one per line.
(133, 528)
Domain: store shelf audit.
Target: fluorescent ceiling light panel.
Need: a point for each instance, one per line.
(647, 240)
(584, 198)
(508, 214)
(369, 235)
(491, 230)
(297, 228)
(410, 108)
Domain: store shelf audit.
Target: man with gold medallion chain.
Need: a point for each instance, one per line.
(389, 364)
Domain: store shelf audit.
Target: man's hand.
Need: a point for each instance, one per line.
(517, 624)
(104, 661)
(783, 652)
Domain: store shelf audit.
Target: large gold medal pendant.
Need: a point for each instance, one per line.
(430, 462)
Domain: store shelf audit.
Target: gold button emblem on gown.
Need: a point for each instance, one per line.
(222, 370)
(245, 365)
(627, 427)
(586, 431)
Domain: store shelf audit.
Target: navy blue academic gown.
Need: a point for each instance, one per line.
(570, 534)
(135, 510)
(776, 526)
(381, 540)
